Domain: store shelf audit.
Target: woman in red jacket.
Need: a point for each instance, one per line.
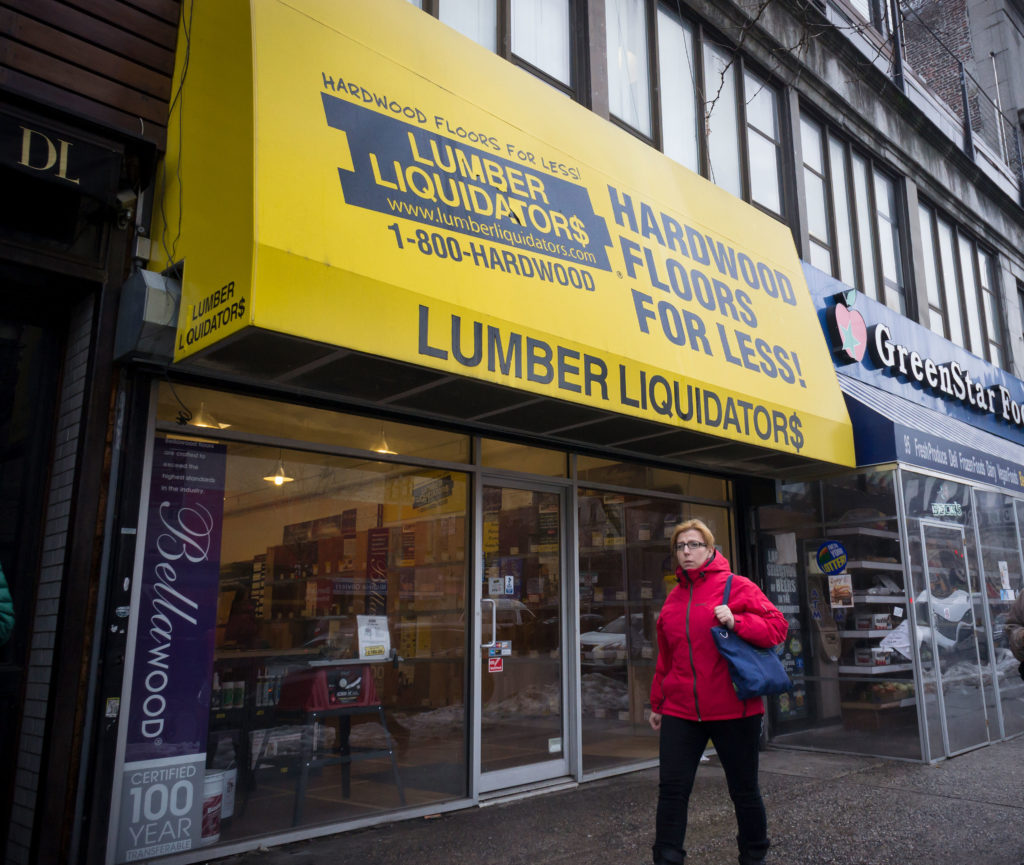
(692, 696)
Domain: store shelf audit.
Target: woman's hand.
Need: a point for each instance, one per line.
(725, 616)
(655, 720)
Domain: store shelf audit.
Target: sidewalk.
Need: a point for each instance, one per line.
(823, 809)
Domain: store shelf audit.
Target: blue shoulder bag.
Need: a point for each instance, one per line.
(755, 672)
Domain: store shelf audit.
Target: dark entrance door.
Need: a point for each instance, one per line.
(30, 352)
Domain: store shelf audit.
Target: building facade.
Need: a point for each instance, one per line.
(84, 96)
(443, 319)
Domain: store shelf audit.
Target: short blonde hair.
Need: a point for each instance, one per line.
(698, 525)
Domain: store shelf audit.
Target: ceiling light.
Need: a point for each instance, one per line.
(382, 445)
(280, 476)
(203, 418)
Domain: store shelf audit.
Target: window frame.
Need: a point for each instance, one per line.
(992, 346)
(579, 45)
(653, 81)
(740, 67)
(857, 160)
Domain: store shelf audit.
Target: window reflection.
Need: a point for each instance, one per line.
(353, 554)
(626, 570)
(261, 417)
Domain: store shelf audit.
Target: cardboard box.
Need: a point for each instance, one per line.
(874, 657)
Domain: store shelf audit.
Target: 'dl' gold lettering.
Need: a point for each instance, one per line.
(55, 156)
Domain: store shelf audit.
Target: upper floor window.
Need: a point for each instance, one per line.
(474, 19)
(853, 217)
(629, 93)
(677, 75)
(875, 12)
(712, 114)
(539, 34)
(542, 37)
(963, 299)
(764, 142)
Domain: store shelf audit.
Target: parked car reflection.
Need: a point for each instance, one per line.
(606, 648)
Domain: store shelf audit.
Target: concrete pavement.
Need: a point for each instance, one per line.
(823, 809)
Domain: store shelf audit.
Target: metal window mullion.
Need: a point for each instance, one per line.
(743, 145)
(937, 261)
(958, 276)
(703, 156)
(979, 292)
(653, 72)
(860, 278)
(905, 265)
(986, 614)
(799, 210)
(830, 201)
(993, 290)
(874, 240)
(503, 37)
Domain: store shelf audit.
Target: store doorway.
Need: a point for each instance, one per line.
(951, 637)
(521, 726)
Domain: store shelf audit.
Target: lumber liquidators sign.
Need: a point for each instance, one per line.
(416, 197)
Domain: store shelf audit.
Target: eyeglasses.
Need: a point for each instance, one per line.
(690, 545)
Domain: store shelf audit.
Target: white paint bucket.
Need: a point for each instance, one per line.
(213, 798)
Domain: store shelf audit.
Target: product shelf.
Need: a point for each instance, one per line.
(876, 670)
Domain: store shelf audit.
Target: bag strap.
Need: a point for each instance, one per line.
(728, 588)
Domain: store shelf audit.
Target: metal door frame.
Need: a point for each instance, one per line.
(940, 696)
(485, 783)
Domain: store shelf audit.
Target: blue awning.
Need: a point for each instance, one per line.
(888, 428)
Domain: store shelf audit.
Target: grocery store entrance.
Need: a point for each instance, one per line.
(521, 728)
(949, 623)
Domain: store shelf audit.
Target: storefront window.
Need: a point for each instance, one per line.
(597, 470)
(329, 679)
(852, 692)
(626, 570)
(191, 408)
(999, 518)
(495, 454)
(300, 564)
(949, 618)
(901, 651)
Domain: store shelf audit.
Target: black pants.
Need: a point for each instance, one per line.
(736, 744)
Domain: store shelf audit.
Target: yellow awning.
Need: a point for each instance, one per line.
(360, 175)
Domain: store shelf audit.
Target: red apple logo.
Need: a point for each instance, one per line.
(848, 331)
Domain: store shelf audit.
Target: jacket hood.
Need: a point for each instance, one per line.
(717, 564)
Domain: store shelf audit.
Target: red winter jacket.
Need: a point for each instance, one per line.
(691, 679)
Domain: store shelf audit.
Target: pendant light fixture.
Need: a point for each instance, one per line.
(279, 477)
(382, 445)
(204, 419)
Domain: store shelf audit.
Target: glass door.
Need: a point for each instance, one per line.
(521, 678)
(949, 622)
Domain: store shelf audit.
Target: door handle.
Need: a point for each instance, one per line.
(494, 622)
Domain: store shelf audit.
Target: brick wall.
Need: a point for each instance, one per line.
(936, 35)
(47, 608)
